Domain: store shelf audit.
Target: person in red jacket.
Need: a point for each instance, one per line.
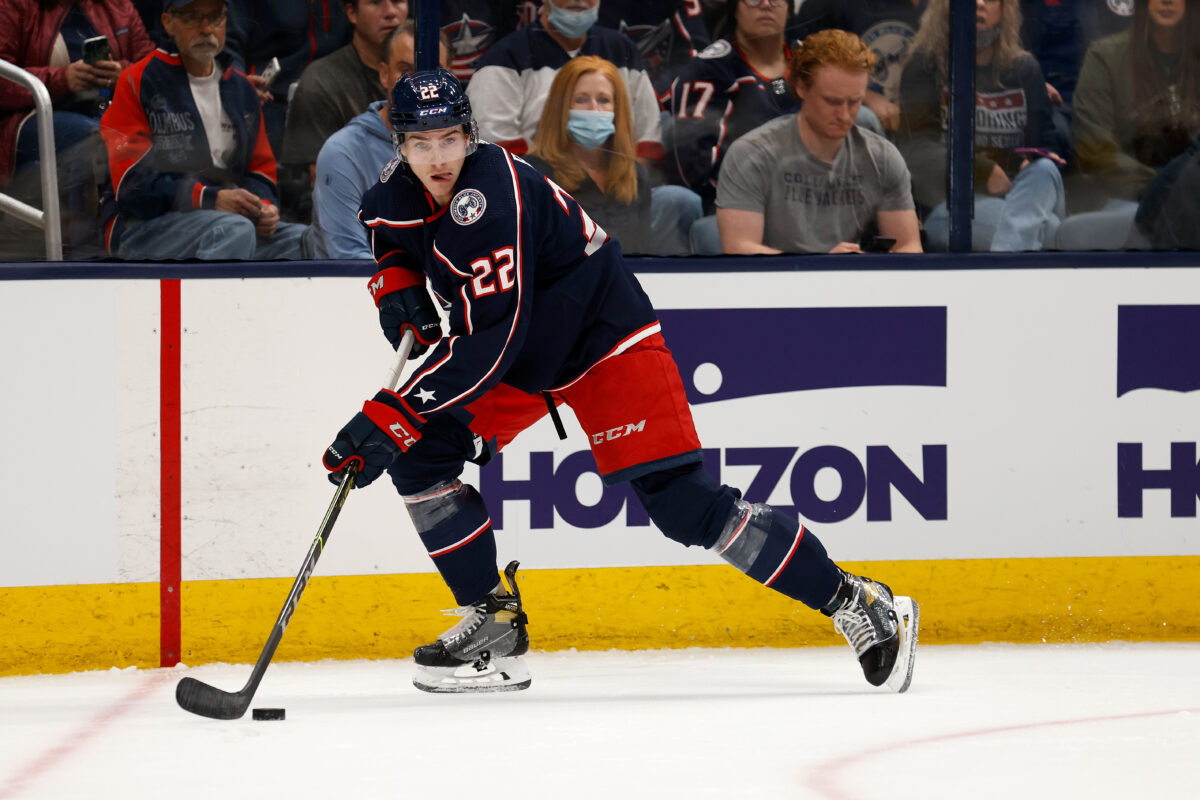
(46, 38)
(193, 175)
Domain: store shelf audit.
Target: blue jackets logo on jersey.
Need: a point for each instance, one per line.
(467, 206)
(388, 170)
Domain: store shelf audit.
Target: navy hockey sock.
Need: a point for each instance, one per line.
(774, 549)
(686, 503)
(456, 529)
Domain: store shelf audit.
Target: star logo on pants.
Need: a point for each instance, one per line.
(424, 395)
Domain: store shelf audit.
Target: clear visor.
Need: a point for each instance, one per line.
(441, 147)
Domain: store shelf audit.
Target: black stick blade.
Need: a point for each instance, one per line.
(209, 701)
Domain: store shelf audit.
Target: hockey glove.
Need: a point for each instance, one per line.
(385, 427)
(404, 304)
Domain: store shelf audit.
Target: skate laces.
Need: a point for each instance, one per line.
(473, 619)
(854, 621)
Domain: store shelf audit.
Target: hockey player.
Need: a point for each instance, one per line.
(543, 310)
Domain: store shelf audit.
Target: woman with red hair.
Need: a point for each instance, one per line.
(585, 144)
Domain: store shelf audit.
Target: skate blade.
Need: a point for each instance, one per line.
(908, 617)
(501, 675)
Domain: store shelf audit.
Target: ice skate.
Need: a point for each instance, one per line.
(483, 652)
(881, 629)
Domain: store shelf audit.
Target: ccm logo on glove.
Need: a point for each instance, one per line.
(384, 428)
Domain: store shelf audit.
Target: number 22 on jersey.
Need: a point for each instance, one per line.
(494, 273)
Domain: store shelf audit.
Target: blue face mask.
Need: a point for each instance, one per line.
(590, 128)
(573, 24)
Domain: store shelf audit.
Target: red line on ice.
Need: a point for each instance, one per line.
(823, 777)
(81, 736)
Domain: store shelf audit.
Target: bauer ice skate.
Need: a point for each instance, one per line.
(881, 629)
(483, 652)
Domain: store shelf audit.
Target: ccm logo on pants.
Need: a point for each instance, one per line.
(618, 432)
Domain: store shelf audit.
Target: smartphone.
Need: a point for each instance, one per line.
(96, 50)
(881, 244)
(270, 71)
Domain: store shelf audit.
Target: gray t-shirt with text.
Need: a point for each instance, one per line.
(810, 205)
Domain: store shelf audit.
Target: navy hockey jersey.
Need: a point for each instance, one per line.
(716, 99)
(536, 292)
(668, 34)
(472, 26)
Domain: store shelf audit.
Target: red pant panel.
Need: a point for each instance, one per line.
(632, 406)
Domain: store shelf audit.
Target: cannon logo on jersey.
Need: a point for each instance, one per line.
(468, 206)
(718, 49)
(1157, 349)
(388, 170)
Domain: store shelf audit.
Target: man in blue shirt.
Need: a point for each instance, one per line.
(351, 159)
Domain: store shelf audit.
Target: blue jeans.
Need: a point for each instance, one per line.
(207, 235)
(82, 167)
(1111, 228)
(69, 130)
(1027, 218)
(673, 209)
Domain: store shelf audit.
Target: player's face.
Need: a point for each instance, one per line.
(373, 20)
(831, 103)
(1166, 13)
(436, 157)
(593, 92)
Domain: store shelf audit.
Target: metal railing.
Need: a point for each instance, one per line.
(48, 218)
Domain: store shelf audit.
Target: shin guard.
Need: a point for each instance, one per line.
(456, 529)
(777, 551)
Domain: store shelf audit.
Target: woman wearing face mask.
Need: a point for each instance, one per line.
(585, 144)
(511, 79)
(1019, 197)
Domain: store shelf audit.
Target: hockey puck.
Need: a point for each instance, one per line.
(269, 713)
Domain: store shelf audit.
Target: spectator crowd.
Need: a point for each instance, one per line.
(250, 129)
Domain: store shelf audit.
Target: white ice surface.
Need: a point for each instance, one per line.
(988, 721)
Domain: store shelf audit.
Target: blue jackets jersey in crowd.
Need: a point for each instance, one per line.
(717, 98)
(349, 164)
(473, 26)
(668, 34)
(537, 292)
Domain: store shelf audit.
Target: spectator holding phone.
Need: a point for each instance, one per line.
(814, 181)
(193, 175)
(47, 38)
(1019, 196)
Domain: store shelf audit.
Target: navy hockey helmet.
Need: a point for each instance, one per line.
(429, 100)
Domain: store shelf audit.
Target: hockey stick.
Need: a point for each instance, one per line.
(209, 701)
